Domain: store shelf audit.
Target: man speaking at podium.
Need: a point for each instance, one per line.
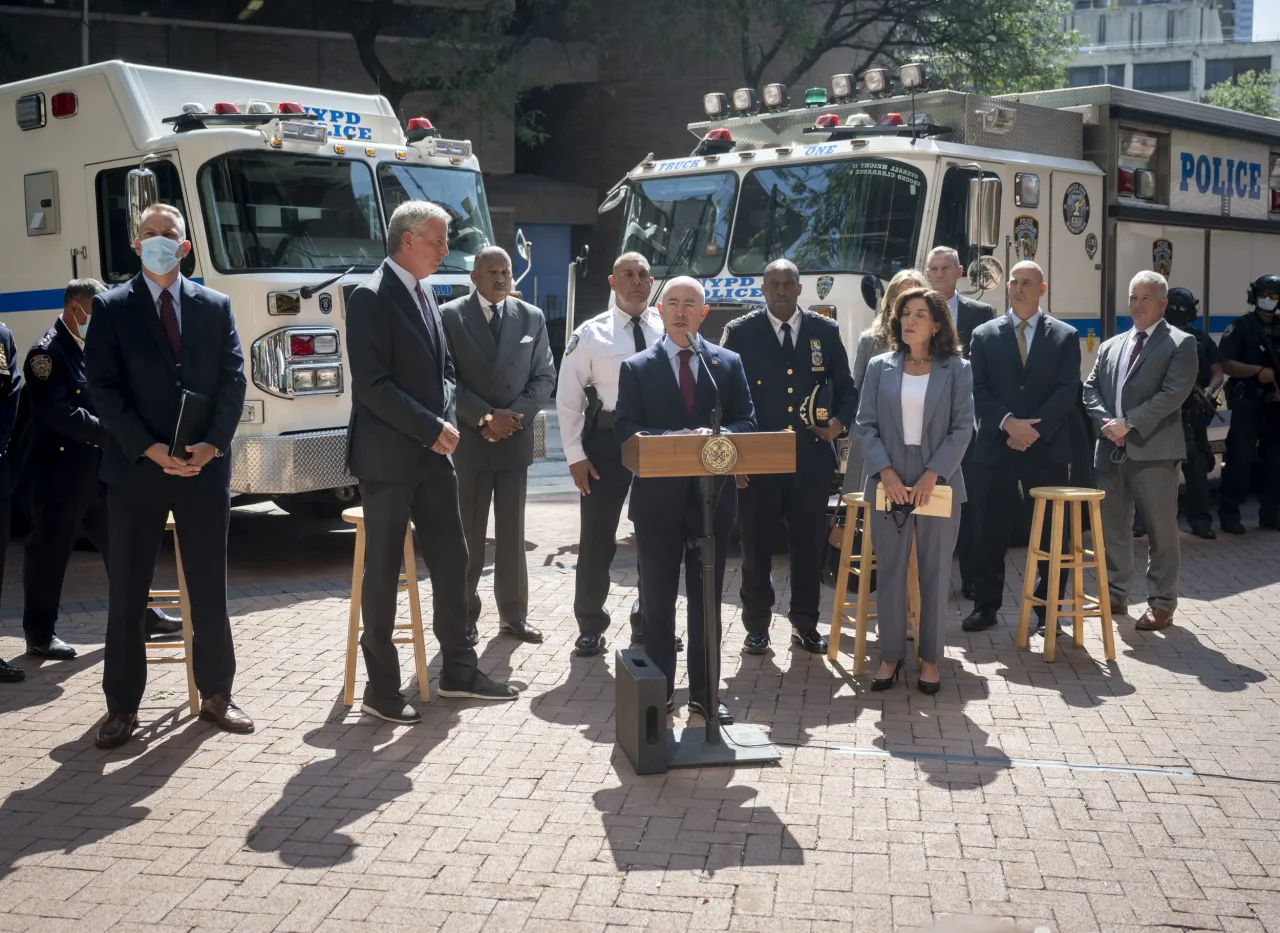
(673, 388)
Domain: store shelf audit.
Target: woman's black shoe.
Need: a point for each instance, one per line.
(884, 683)
(929, 686)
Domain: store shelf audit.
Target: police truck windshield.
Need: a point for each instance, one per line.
(853, 215)
(267, 210)
(681, 224)
(458, 191)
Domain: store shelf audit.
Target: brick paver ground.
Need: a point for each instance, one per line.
(887, 811)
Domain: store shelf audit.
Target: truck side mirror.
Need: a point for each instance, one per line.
(144, 191)
(872, 291)
(984, 213)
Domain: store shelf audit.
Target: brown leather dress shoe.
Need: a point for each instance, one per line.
(1119, 611)
(220, 709)
(116, 730)
(1154, 619)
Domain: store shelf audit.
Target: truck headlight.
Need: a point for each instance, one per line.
(297, 361)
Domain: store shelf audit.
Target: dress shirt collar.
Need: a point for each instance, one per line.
(649, 318)
(1133, 331)
(777, 324)
(405, 276)
(174, 289)
(954, 304)
(1033, 322)
(673, 350)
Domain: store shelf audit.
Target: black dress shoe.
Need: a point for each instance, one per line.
(1231, 526)
(472, 635)
(588, 646)
(929, 687)
(884, 683)
(756, 643)
(1204, 530)
(480, 688)
(161, 625)
(521, 630)
(699, 707)
(396, 709)
(810, 640)
(979, 619)
(10, 673)
(116, 730)
(54, 648)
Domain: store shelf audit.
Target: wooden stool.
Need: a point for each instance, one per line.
(409, 583)
(1079, 560)
(858, 510)
(176, 599)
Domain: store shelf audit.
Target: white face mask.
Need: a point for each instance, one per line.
(1267, 304)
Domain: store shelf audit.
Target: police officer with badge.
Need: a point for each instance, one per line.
(796, 367)
(586, 398)
(1251, 357)
(63, 443)
(1197, 412)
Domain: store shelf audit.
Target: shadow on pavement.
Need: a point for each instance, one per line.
(44, 680)
(1179, 651)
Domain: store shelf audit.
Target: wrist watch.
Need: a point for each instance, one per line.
(488, 416)
(1128, 425)
(218, 452)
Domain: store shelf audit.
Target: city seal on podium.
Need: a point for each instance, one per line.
(719, 455)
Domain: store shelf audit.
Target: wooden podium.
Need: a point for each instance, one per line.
(712, 459)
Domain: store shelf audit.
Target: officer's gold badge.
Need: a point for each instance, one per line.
(41, 366)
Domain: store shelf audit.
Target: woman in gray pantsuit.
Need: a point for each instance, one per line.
(915, 417)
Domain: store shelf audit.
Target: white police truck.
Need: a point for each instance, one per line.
(286, 191)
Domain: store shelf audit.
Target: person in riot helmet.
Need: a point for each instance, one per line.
(1251, 357)
(1197, 412)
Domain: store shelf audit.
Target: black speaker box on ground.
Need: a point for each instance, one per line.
(641, 711)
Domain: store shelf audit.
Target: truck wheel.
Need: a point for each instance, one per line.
(325, 504)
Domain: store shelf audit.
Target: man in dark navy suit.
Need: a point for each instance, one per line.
(1026, 382)
(788, 352)
(667, 390)
(154, 337)
(61, 456)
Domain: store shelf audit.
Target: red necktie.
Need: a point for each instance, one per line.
(169, 320)
(686, 381)
(1136, 351)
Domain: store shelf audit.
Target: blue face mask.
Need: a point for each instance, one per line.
(160, 254)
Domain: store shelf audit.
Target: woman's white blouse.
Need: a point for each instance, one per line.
(913, 390)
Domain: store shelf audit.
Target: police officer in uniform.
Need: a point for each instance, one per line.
(787, 354)
(63, 442)
(586, 398)
(1197, 412)
(10, 387)
(1250, 345)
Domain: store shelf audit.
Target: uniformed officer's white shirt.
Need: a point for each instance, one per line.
(174, 290)
(595, 358)
(777, 326)
(1124, 365)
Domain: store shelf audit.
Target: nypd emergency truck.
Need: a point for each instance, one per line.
(286, 191)
(1094, 184)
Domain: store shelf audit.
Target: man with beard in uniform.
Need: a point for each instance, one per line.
(1249, 347)
(787, 353)
(586, 398)
(64, 451)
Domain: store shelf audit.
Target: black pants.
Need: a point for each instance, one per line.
(1195, 473)
(970, 520)
(667, 541)
(432, 502)
(995, 489)
(1254, 434)
(136, 518)
(764, 505)
(598, 537)
(506, 490)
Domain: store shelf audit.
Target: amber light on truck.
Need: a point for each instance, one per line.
(296, 361)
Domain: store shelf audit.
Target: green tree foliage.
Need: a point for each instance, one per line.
(1251, 92)
(991, 46)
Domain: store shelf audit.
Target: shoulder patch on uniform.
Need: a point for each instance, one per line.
(1230, 327)
(739, 320)
(41, 365)
(572, 345)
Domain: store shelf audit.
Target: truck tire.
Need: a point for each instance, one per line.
(326, 504)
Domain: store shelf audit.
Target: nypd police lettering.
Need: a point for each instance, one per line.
(1218, 176)
(344, 124)
(744, 287)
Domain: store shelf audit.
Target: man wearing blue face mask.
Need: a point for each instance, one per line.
(157, 340)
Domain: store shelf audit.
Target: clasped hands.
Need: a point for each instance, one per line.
(504, 423)
(1114, 431)
(200, 454)
(1021, 431)
(896, 491)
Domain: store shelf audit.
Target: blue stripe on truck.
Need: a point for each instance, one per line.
(44, 299)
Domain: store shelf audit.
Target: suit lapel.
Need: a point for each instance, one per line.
(140, 297)
(477, 326)
(192, 322)
(512, 328)
(704, 390)
(938, 378)
(409, 306)
(891, 390)
(1009, 341)
(1036, 350)
(666, 376)
(1160, 333)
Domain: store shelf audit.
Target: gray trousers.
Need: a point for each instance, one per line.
(935, 544)
(1151, 485)
(506, 489)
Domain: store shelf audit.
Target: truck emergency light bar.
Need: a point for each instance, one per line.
(192, 120)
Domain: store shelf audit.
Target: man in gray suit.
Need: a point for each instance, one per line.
(505, 376)
(1134, 396)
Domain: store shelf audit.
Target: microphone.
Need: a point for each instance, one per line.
(717, 411)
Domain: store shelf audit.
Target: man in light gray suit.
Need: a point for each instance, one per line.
(505, 376)
(1134, 396)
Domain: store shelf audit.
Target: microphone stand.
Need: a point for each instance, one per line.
(707, 549)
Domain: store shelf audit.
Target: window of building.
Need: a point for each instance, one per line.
(1162, 77)
(119, 262)
(1115, 75)
(1087, 76)
(1217, 70)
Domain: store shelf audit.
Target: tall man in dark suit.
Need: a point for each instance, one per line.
(787, 353)
(62, 450)
(668, 390)
(399, 442)
(154, 338)
(1026, 381)
(944, 273)
(505, 372)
